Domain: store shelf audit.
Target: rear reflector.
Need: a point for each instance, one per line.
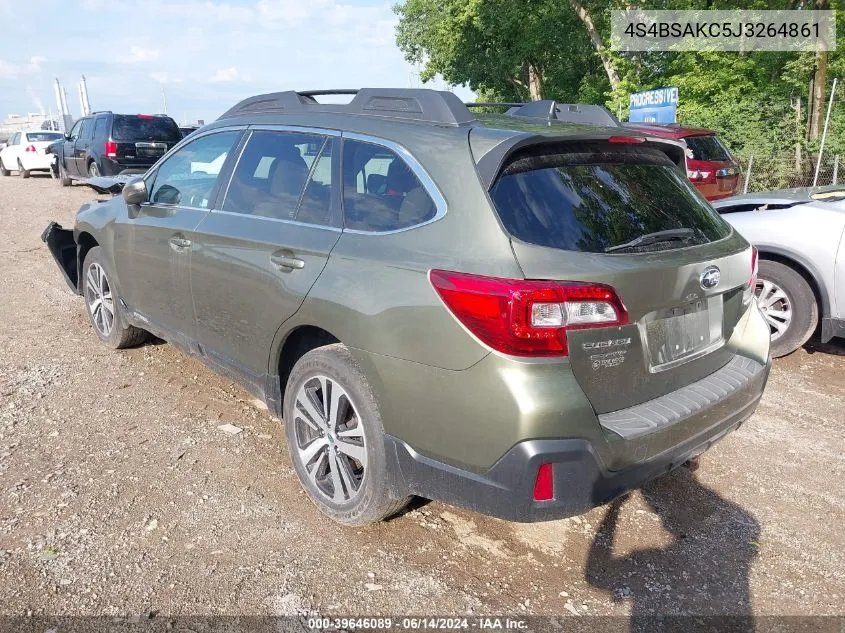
(111, 149)
(544, 485)
(626, 139)
(522, 317)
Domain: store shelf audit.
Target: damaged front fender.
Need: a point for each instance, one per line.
(62, 246)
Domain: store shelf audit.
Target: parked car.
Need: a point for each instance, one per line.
(800, 234)
(24, 153)
(710, 165)
(105, 144)
(525, 319)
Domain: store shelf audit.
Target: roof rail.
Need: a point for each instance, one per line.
(550, 110)
(409, 104)
(493, 104)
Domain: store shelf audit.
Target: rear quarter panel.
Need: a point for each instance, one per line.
(807, 234)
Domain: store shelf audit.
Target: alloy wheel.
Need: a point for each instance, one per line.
(775, 306)
(99, 297)
(330, 439)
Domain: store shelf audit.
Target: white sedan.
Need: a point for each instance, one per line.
(24, 152)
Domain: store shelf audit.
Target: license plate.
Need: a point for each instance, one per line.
(681, 333)
(150, 149)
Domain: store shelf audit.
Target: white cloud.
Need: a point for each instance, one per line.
(224, 74)
(164, 78)
(10, 70)
(138, 54)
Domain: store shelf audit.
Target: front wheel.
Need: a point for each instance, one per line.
(3, 170)
(788, 304)
(336, 439)
(64, 181)
(103, 304)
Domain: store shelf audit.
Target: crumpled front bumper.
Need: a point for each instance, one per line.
(62, 246)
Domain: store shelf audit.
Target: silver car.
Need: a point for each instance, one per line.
(800, 235)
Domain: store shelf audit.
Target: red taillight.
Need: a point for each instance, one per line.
(544, 485)
(111, 149)
(31, 148)
(525, 317)
(626, 139)
(752, 283)
(146, 116)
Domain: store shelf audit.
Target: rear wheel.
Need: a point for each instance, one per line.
(103, 304)
(336, 439)
(93, 170)
(24, 173)
(788, 304)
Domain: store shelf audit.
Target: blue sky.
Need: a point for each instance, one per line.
(206, 54)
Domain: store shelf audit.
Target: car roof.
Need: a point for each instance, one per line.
(669, 130)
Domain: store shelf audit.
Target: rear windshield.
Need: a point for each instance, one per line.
(145, 128)
(603, 200)
(34, 137)
(707, 148)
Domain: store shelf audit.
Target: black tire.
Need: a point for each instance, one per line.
(120, 334)
(93, 170)
(24, 173)
(3, 170)
(64, 181)
(371, 502)
(799, 297)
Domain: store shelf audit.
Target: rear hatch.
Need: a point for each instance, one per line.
(141, 139)
(624, 215)
(711, 167)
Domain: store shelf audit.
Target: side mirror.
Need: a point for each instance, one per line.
(135, 191)
(68, 137)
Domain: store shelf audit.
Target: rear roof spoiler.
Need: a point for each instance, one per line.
(493, 151)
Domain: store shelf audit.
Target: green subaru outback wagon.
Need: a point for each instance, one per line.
(508, 313)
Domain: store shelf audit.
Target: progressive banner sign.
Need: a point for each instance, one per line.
(654, 106)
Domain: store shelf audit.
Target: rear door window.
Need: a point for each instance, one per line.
(380, 191)
(601, 198)
(707, 148)
(100, 127)
(271, 174)
(141, 127)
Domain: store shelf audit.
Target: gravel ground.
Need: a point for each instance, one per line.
(119, 495)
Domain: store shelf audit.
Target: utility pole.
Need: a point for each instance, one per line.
(163, 99)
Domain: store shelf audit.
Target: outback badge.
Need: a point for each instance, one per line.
(710, 277)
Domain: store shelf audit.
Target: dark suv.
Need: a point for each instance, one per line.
(522, 317)
(105, 144)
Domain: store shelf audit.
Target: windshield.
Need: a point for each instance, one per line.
(145, 128)
(707, 148)
(35, 137)
(611, 200)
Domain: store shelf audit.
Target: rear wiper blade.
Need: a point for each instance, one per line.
(651, 238)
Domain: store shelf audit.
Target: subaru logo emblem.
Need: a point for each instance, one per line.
(710, 277)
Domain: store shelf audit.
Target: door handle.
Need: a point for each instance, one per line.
(287, 262)
(178, 243)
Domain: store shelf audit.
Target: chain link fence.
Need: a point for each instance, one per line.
(765, 173)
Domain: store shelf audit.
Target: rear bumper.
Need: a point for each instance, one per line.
(581, 478)
(37, 162)
(112, 167)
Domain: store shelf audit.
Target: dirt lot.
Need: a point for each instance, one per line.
(119, 495)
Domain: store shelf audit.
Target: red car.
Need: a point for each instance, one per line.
(710, 166)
